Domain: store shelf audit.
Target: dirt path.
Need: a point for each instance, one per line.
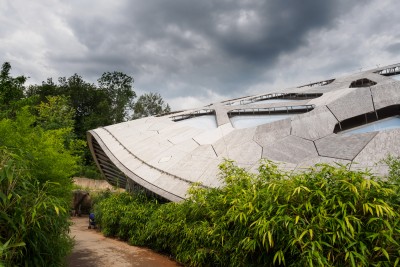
(93, 249)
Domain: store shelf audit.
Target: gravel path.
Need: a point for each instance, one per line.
(93, 249)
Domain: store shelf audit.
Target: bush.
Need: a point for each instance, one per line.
(394, 176)
(327, 216)
(124, 215)
(33, 224)
(44, 151)
(89, 171)
(35, 193)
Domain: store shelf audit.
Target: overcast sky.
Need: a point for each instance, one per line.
(196, 52)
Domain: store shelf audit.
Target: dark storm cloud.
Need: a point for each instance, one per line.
(249, 30)
(199, 51)
(280, 27)
(222, 45)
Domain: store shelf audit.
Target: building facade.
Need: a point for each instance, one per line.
(352, 120)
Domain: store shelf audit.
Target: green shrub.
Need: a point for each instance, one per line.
(35, 181)
(33, 224)
(89, 171)
(44, 151)
(124, 215)
(327, 216)
(394, 176)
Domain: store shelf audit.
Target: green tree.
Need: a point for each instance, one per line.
(49, 157)
(55, 113)
(11, 88)
(91, 105)
(94, 106)
(118, 87)
(149, 105)
(82, 98)
(47, 88)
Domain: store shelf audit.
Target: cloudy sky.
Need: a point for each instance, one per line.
(197, 52)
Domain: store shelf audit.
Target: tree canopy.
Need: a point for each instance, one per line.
(11, 89)
(149, 105)
(118, 87)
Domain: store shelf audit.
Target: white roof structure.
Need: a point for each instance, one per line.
(351, 120)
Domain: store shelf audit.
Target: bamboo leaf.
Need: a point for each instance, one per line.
(385, 253)
(270, 240)
(396, 262)
(57, 210)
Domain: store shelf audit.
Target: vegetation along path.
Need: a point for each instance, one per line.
(93, 249)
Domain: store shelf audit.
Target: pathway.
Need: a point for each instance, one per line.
(93, 249)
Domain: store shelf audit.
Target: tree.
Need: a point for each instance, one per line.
(11, 88)
(118, 87)
(50, 158)
(149, 105)
(55, 113)
(47, 88)
(81, 95)
(92, 106)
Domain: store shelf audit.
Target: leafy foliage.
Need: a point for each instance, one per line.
(92, 106)
(35, 183)
(44, 126)
(55, 113)
(118, 87)
(327, 216)
(11, 89)
(125, 215)
(394, 175)
(33, 223)
(45, 150)
(149, 105)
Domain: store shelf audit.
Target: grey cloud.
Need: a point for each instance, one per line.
(393, 48)
(191, 48)
(241, 38)
(282, 27)
(250, 30)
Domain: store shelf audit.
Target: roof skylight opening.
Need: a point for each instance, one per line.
(251, 117)
(201, 119)
(381, 125)
(390, 71)
(362, 83)
(279, 98)
(248, 121)
(275, 100)
(383, 119)
(205, 122)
